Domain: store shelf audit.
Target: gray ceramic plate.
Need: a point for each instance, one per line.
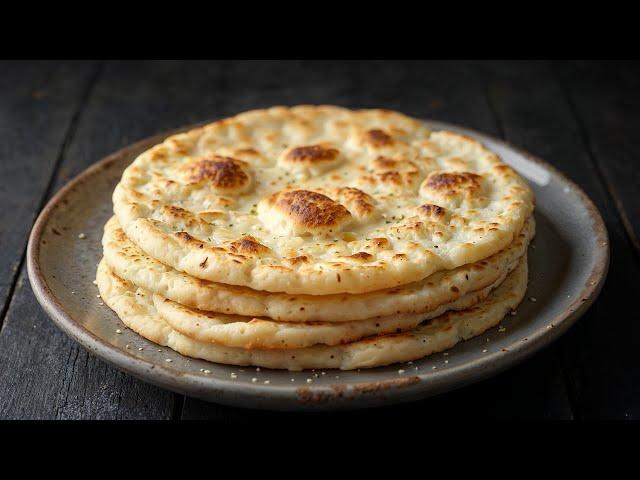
(568, 264)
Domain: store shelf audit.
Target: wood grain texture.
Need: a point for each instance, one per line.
(63, 380)
(43, 374)
(129, 101)
(604, 98)
(599, 351)
(38, 101)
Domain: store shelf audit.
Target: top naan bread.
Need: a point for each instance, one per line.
(320, 200)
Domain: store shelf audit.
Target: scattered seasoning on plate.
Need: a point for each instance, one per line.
(234, 375)
(309, 380)
(514, 313)
(502, 329)
(82, 236)
(267, 382)
(118, 331)
(446, 361)
(434, 367)
(484, 351)
(400, 372)
(207, 372)
(168, 360)
(533, 299)
(140, 349)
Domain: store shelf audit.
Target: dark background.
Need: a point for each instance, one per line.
(56, 118)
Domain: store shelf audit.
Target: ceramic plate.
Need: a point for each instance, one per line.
(568, 263)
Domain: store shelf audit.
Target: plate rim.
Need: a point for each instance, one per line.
(318, 397)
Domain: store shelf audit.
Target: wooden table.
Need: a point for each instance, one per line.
(56, 118)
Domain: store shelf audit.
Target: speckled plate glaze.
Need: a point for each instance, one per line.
(568, 261)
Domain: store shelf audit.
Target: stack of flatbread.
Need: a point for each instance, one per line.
(316, 237)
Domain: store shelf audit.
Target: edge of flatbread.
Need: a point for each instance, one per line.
(130, 263)
(137, 311)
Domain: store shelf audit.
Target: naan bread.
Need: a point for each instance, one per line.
(136, 309)
(132, 264)
(248, 332)
(320, 200)
(251, 333)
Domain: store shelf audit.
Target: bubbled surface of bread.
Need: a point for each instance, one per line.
(320, 200)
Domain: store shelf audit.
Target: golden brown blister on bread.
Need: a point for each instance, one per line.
(332, 154)
(301, 212)
(310, 159)
(223, 174)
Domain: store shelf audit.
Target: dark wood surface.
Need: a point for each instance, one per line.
(56, 118)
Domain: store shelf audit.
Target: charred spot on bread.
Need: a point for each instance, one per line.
(248, 245)
(225, 174)
(378, 137)
(304, 211)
